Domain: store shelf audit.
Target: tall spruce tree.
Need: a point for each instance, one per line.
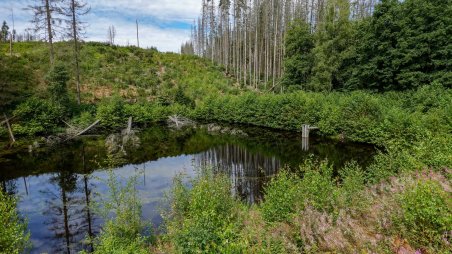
(332, 45)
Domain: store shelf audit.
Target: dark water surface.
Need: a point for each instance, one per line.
(56, 186)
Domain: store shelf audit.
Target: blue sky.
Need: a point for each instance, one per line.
(164, 24)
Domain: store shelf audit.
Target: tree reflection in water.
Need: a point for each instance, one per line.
(248, 171)
(68, 211)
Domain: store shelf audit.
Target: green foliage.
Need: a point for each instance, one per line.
(426, 213)
(353, 180)
(333, 42)
(111, 113)
(15, 81)
(84, 119)
(298, 59)
(124, 233)
(14, 238)
(403, 46)
(183, 99)
(387, 120)
(281, 197)
(204, 219)
(288, 193)
(38, 116)
(57, 87)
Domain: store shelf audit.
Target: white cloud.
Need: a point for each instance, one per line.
(167, 39)
(157, 17)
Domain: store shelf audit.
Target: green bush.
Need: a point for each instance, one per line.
(204, 219)
(318, 188)
(111, 113)
(125, 232)
(14, 238)
(84, 119)
(38, 116)
(281, 197)
(426, 213)
(353, 180)
(288, 192)
(57, 79)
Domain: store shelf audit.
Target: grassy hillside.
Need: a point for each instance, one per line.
(129, 71)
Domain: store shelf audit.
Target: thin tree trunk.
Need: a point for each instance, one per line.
(138, 38)
(49, 31)
(76, 53)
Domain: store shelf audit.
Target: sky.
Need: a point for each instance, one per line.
(164, 24)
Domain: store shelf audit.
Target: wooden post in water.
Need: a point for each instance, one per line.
(305, 144)
(305, 131)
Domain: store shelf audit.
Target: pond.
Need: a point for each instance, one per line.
(57, 185)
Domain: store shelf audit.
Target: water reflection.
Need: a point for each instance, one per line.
(67, 213)
(57, 186)
(247, 170)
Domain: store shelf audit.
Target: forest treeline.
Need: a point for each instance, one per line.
(324, 45)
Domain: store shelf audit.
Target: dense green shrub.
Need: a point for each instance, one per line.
(360, 117)
(288, 192)
(383, 119)
(204, 219)
(57, 79)
(111, 113)
(281, 197)
(38, 116)
(426, 213)
(14, 238)
(15, 81)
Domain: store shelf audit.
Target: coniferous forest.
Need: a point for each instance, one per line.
(371, 79)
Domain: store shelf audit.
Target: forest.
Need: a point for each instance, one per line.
(369, 72)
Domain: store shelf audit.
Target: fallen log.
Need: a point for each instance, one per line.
(11, 135)
(70, 126)
(85, 130)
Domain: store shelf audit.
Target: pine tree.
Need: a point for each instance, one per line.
(4, 32)
(46, 20)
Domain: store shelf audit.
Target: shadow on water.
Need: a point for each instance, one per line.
(56, 186)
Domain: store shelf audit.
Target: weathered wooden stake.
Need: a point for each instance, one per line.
(11, 135)
(305, 131)
(305, 144)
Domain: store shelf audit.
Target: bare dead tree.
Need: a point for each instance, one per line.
(73, 11)
(111, 35)
(46, 21)
(247, 36)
